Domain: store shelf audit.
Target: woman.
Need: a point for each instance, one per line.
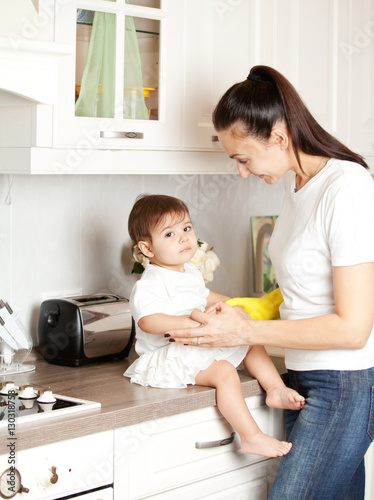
(322, 249)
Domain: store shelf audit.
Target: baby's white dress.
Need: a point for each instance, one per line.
(169, 364)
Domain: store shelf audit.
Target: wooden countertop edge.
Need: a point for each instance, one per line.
(30, 435)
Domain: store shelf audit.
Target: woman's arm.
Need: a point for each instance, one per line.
(348, 328)
(161, 323)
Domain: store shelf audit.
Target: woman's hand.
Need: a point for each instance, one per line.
(229, 328)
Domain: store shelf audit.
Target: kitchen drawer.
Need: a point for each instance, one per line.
(82, 464)
(161, 455)
(250, 483)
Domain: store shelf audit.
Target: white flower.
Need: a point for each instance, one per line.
(205, 260)
(203, 245)
(141, 259)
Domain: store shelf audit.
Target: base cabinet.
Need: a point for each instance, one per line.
(81, 467)
(189, 456)
(248, 483)
(193, 455)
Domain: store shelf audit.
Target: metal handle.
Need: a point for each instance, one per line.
(6, 305)
(215, 444)
(111, 134)
(215, 138)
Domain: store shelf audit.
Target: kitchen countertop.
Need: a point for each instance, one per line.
(122, 403)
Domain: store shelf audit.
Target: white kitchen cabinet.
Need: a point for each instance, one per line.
(287, 40)
(249, 483)
(205, 46)
(192, 456)
(65, 468)
(358, 53)
(220, 40)
(333, 71)
(40, 132)
(162, 71)
(231, 37)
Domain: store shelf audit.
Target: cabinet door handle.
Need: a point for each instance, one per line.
(215, 444)
(215, 138)
(111, 134)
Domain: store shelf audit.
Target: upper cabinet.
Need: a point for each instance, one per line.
(332, 71)
(358, 53)
(219, 52)
(311, 55)
(129, 86)
(121, 87)
(113, 86)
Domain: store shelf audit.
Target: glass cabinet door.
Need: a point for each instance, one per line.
(95, 72)
(127, 74)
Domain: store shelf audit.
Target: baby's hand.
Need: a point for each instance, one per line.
(214, 309)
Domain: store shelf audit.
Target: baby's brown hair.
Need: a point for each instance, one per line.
(149, 210)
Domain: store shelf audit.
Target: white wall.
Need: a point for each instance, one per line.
(70, 232)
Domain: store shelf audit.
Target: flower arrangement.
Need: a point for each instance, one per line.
(204, 259)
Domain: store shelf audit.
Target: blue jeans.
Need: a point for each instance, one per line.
(330, 436)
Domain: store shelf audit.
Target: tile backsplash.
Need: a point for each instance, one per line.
(61, 233)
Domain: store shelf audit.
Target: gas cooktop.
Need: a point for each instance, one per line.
(19, 405)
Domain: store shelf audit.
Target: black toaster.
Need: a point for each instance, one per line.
(78, 330)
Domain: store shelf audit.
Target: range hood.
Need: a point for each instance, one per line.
(29, 68)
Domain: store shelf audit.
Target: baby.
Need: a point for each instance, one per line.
(169, 290)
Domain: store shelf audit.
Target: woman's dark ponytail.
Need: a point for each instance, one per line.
(265, 98)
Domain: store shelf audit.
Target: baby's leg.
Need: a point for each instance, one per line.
(278, 395)
(223, 376)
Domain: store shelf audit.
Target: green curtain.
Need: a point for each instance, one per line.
(96, 97)
(133, 103)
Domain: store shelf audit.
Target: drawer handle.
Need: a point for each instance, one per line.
(110, 134)
(54, 477)
(215, 444)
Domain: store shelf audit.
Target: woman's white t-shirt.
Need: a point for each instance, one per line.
(329, 222)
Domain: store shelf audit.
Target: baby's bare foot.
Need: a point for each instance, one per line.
(267, 446)
(284, 397)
